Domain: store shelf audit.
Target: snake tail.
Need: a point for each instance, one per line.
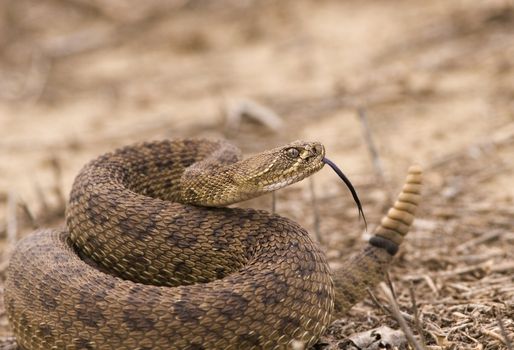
(369, 267)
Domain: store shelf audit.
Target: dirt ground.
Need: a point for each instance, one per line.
(433, 82)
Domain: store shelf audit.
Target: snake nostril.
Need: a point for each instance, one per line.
(318, 149)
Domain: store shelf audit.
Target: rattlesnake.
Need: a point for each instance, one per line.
(144, 264)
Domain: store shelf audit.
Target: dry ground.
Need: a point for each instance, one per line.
(435, 80)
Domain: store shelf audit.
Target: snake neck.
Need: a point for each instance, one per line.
(213, 187)
(216, 185)
(221, 185)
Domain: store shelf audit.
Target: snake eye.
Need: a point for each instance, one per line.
(293, 152)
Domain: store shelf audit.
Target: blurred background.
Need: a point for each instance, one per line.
(383, 84)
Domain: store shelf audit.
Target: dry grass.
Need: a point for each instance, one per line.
(433, 81)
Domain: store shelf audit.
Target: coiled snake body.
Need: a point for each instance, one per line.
(143, 264)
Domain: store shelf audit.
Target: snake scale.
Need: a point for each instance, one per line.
(143, 263)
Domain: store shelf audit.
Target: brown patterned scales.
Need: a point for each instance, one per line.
(159, 272)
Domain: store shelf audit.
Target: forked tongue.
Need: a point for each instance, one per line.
(350, 187)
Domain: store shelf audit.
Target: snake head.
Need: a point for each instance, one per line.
(271, 170)
(264, 172)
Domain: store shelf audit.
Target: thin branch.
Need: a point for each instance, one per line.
(12, 220)
(390, 284)
(399, 318)
(385, 309)
(57, 188)
(315, 211)
(416, 315)
(372, 149)
(494, 335)
(504, 334)
(30, 217)
(479, 240)
(246, 108)
(374, 299)
(41, 198)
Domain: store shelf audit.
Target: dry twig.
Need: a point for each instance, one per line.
(12, 220)
(493, 335)
(28, 214)
(385, 309)
(479, 240)
(315, 211)
(57, 188)
(503, 331)
(375, 158)
(416, 315)
(252, 110)
(399, 318)
(45, 207)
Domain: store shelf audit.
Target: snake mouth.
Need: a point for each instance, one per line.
(313, 153)
(350, 187)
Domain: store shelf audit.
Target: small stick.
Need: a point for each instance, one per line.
(12, 220)
(57, 170)
(377, 303)
(399, 318)
(315, 210)
(385, 310)
(431, 284)
(494, 335)
(32, 220)
(38, 76)
(416, 315)
(253, 111)
(504, 334)
(377, 164)
(390, 285)
(479, 240)
(42, 200)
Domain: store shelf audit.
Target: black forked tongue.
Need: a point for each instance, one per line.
(350, 187)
